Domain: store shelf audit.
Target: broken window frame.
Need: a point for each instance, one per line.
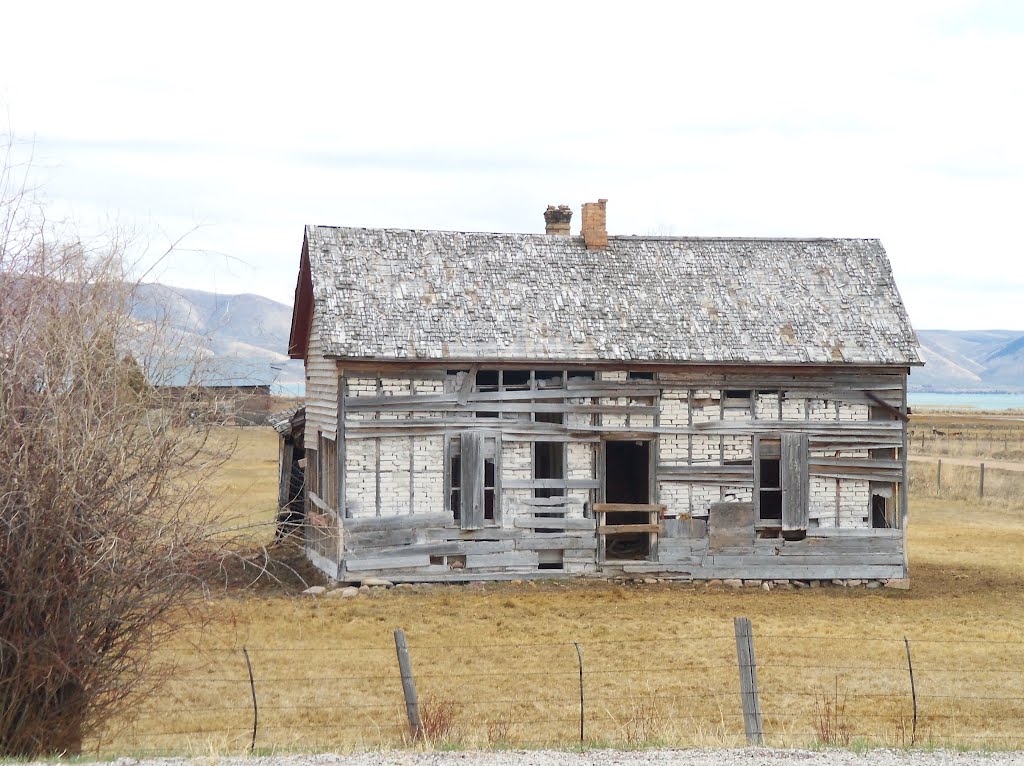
(490, 464)
(767, 447)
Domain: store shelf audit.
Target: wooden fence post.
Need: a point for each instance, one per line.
(412, 705)
(749, 695)
(938, 480)
(255, 707)
(579, 656)
(981, 482)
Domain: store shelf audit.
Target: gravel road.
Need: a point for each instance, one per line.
(742, 757)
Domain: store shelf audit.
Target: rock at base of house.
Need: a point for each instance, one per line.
(315, 590)
(377, 582)
(350, 592)
(712, 583)
(730, 583)
(898, 584)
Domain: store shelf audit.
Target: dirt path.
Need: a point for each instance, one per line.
(1003, 465)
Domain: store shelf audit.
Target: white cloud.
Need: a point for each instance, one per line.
(895, 120)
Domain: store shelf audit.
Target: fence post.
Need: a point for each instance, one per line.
(938, 480)
(255, 707)
(981, 482)
(579, 655)
(749, 695)
(913, 691)
(412, 705)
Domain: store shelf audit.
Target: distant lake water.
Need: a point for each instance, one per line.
(967, 401)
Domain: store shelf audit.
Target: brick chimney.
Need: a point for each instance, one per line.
(595, 230)
(557, 219)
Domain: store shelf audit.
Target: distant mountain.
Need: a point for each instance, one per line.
(244, 337)
(970, 360)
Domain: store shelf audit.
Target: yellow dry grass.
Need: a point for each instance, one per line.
(496, 664)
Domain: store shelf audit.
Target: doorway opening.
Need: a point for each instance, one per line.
(627, 473)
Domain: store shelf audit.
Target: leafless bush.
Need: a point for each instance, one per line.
(499, 730)
(830, 723)
(104, 535)
(437, 716)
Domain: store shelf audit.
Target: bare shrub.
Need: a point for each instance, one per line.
(499, 730)
(830, 723)
(104, 535)
(437, 716)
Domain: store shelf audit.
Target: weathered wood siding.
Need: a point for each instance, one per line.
(321, 392)
(402, 428)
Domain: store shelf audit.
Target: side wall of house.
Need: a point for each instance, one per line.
(544, 439)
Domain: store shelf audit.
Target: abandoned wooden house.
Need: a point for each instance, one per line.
(498, 406)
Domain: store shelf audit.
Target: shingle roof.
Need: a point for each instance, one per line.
(283, 421)
(390, 294)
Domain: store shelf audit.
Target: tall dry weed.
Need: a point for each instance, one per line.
(830, 722)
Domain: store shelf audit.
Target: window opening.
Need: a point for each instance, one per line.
(455, 468)
(514, 380)
(487, 380)
(636, 375)
(549, 378)
(490, 489)
(770, 489)
(627, 471)
(580, 375)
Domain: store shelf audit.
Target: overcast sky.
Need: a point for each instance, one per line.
(236, 124)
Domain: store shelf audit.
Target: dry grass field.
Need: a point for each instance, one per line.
(496, 664)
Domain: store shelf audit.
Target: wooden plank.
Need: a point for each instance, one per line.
(553, 510)
(340, 443)
(523, 522)
(684, 528)
(502, 405)
(320, 504)
(380, 563)
(439, 548)
(455, 533)
(381, 539)
(795, 484)
(772, 571)
(853, 462)
(730, 524)
(544, 501)
(379, 523)
(518, 558)
(550, 484)
(886, 477)
(472, 494)
(754, 560)
(487, 546)
(864, 532)
(555, 542)
(639, 507)
(628, 529)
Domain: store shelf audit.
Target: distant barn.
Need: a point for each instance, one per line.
(488, 406)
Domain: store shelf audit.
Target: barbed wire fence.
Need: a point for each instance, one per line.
(713, 689)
